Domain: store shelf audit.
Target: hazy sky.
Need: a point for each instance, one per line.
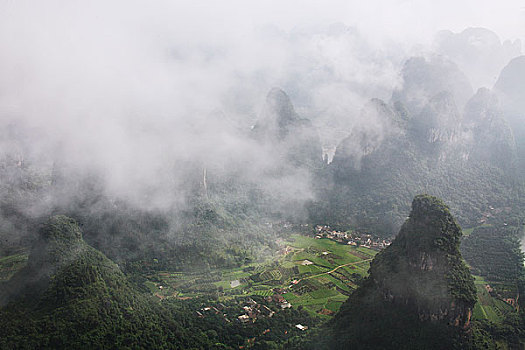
(125, 86)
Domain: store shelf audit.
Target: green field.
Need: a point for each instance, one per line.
(10, 264)
(488, 307)
(320, 287)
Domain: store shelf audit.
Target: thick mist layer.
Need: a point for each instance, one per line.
(138, 94)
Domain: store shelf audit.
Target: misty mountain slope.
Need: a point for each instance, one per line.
(23, 185)
(292, 138)
(478, 51)
(492, 138)
(467, 158)
(419, 293)
(193, 209)
(436, 129)
(510, 90)
(384, 124)
(72, 296)
(423, 78)
(510, 83)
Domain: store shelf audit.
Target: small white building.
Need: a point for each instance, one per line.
(301, 327)
(244, 318)
(286, 305)
(235, 283)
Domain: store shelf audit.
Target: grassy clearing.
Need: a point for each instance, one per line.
(488, 307)
(9, 265)
(467, 231)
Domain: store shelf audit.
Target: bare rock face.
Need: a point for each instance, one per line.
(423, 267)
(419, 293)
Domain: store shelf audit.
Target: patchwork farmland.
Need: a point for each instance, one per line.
(314, 274)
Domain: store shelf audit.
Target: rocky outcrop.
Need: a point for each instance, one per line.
(419, 293)
(423, 267)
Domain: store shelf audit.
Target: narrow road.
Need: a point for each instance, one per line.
(335, 269)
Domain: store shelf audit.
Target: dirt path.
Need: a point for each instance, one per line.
(335, 269)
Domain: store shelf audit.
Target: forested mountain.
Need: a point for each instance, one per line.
(509, 88)
(71, 295)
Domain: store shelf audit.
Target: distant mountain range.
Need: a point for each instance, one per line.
(435, 137)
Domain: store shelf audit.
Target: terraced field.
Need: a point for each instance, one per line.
(10, 264)
(487, 307)
(317, 274)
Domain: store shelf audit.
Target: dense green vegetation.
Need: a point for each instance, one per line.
(72, 296)
(494, 253)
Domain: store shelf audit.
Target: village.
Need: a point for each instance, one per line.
(352, 238)
(493, 213)
(251, 310)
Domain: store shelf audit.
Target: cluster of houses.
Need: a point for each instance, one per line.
(251, 310)
(353, 238)
(488, 215)
(219, 309)
(279, 299)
